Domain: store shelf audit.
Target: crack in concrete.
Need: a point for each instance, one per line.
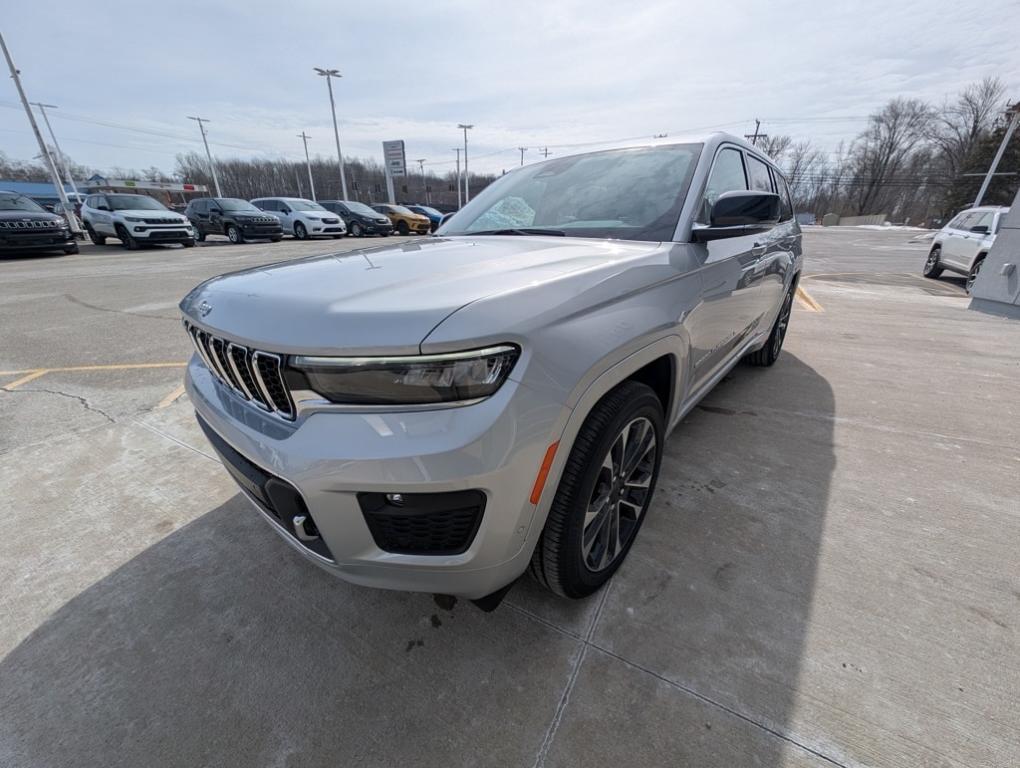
(84, 402)
(80, 303)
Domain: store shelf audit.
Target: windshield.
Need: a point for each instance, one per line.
(11, 202)
(236, 204)
(402, 209)
(630, 194)
(134, 203)
(361, 208)
(305, 205)
(427, 210)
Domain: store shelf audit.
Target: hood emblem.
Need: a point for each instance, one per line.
(204, 308)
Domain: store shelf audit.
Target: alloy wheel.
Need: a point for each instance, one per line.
(782, 324)
(620, 495)
(972, 277)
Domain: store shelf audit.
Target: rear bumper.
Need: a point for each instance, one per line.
(494, 447)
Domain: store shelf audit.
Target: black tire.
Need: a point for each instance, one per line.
(199, 235)
(931, 265)
(95, 238)
(768, 354)
(356, 230)
(234, 234)
(125, 238)
(972, 277)
(559, 562)
(275, 239)
(71, 249)
(300, 232)
(337, 237)
(402, 228)
(188, 243)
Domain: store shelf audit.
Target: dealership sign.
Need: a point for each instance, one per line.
(394, 158)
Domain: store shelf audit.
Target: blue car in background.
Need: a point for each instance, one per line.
(433, 215)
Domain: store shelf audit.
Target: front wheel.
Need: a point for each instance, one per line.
(402, 228)
(604, 492)
(768, 354)
(300, 232)
(126, 239)
(234, 234)
(71, 250)
(931, 266)
(96, 239)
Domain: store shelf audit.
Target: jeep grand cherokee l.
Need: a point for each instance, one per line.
(961, 245)
(27, 226)
(496, 398)
(237, 219)
(135, 220)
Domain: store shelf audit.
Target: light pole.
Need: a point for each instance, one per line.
(329, 74)
(459, 204)
(60, 152)
(212, 166)
(467, 181)
(54, 176)
(311, 184)
(424, 183)
(522, 150)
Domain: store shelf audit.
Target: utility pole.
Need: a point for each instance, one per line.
(522, 150)
(467, 177)
(544, 152)
(212, 166)
(424, 183)
(60, 152)
(311, 184)
(459, 203)
(1015, 111)
(72, 223)
(753, 137)
(329, 74)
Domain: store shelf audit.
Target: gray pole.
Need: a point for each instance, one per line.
(523, 150)
(329, 74)
(424, 183)
(212, 166)
(54, 176)
(459, 203)
(998, 155)
(60, 152)
(311, 184)
(467, 176)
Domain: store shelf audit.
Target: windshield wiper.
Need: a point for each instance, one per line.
(521, 231)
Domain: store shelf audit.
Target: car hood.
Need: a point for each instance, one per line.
(28, 216)
(387, 299)
(143, 213)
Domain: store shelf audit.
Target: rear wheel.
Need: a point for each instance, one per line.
(96, 239)
(605, 490)
(931, 266)
(300, 232)
(234, 234)
(356, 230)
(768, 354)
(972, 277)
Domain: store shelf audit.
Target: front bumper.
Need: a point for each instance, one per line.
(262, 230)
(37, 242)
(329, 457)
(162, 234)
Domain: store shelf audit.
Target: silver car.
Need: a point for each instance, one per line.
(443, 415)
(961, 245)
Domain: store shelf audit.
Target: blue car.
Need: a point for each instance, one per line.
(433, 215)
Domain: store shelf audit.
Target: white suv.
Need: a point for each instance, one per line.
(135, 220)
(302, 218)
(961, 245)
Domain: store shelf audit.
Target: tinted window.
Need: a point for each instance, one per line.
(785, 203)
(361, 208)
(631, 194)
(14, 202)
(960, 222)
(234, 204)
(134, 203)
(200, 206)
(758, 175)
(267, 205)
(304, 205)
(982, 220)
(727, 176)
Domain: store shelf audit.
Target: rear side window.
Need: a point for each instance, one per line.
(758, 175)
(200, 206)
(268, 205)
(785, 203)
(727, 176)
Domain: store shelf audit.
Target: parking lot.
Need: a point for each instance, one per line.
(828, 574)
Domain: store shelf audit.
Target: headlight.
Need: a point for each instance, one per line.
(411, 380)
(132, 218)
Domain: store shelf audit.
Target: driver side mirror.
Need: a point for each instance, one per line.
(981, 229)
(739, 213)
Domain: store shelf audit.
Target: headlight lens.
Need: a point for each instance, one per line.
(133, 218)
(411, 380)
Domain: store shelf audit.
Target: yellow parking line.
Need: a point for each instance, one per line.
(171, 398)
(808, 303)
(115, 367)
(25, 379)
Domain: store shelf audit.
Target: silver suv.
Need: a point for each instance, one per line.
(961, 245)
(441, 415)
(135, 220)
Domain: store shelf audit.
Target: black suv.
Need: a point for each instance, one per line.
(27, 226)
(238, 219)
(359, 218)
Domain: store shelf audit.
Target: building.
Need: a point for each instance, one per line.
(45, 193)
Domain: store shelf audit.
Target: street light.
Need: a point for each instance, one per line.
(329, 74)
(212, 166)
(467, 183)
(60, 152)
(459, 190)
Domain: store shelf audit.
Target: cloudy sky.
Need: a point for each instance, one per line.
(527, 73)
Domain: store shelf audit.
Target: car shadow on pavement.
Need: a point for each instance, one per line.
(220, 646)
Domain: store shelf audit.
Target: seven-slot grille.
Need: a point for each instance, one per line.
(254, 375)
(164, 220)
(30, 224)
